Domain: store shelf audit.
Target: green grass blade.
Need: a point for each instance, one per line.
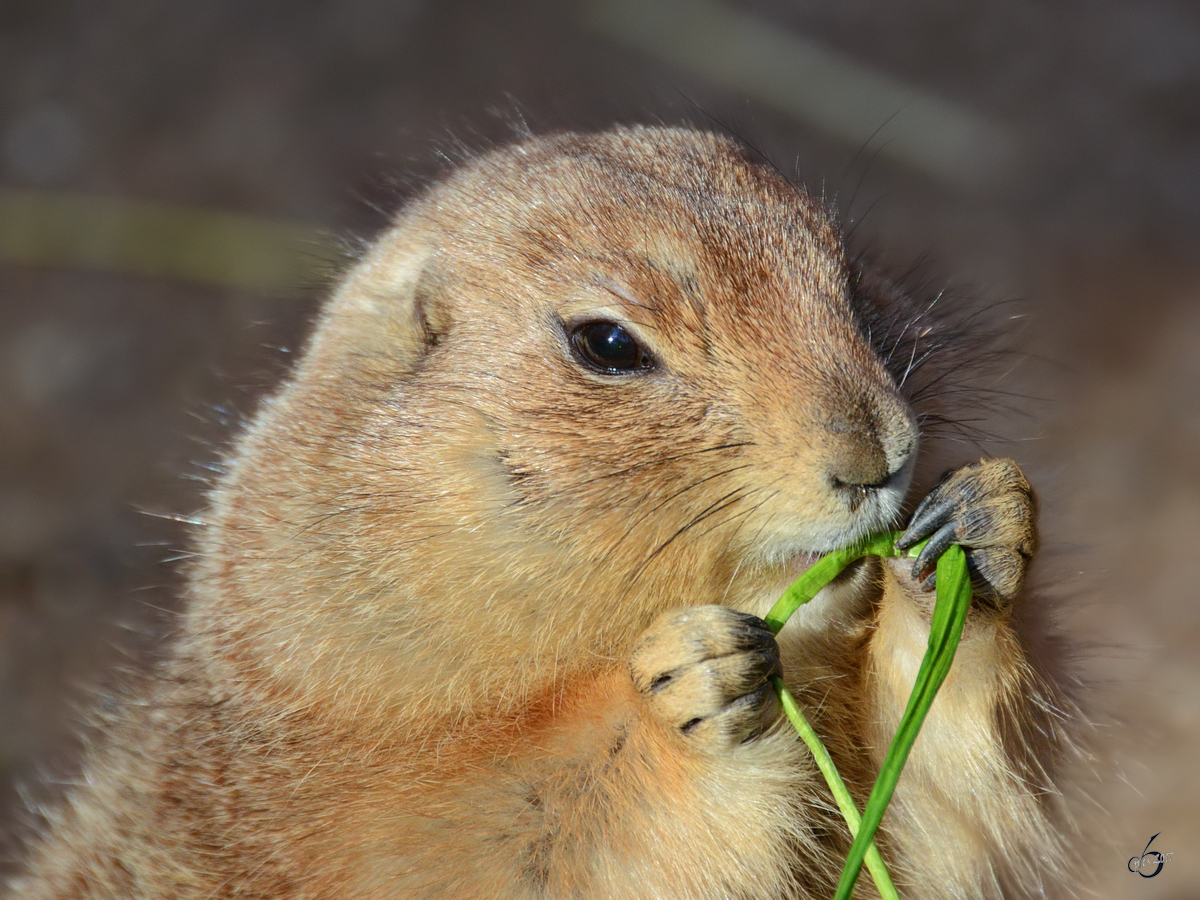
(823, 571)
(801, 591)
(879, 872)
(950, 612)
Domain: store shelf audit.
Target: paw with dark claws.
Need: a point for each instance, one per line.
(706, 671)
(988, 509)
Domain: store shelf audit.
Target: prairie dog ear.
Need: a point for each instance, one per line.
(430, 309)
(389, 311)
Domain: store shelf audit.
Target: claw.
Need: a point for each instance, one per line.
(937, 544)
(932, 512)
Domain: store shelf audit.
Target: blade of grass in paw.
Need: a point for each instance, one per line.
(949, 614)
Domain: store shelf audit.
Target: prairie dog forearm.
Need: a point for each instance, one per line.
(961, 787)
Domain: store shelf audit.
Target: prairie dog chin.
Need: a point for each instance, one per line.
(477, 611)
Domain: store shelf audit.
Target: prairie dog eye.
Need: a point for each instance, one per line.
(609, 348)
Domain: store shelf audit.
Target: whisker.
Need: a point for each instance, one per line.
(663, 503)
(715, 507)
(665, 459)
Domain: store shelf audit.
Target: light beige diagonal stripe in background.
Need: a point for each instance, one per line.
(834, 93)
(79, 231)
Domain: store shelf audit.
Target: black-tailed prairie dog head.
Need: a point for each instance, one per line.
(582, 380)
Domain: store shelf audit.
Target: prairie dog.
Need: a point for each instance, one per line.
(476, 613)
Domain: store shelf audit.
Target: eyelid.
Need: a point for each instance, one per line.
(620, 291)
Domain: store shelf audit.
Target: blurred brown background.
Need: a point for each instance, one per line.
(178, 179)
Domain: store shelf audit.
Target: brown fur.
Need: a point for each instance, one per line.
(439, 640)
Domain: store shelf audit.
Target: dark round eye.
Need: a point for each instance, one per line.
(609, 347)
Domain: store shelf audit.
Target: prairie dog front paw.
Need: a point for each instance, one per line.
(705, 670)
(988, 509)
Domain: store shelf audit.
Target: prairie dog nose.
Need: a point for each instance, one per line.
(871, 452)
(859, 461)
